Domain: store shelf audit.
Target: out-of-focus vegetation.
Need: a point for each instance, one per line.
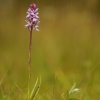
(66, 50)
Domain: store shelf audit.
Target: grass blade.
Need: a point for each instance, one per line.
(35, 89)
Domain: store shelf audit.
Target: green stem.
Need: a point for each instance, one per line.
(29, 62)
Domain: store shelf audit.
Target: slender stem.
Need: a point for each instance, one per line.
(29, 62)
(54, 83)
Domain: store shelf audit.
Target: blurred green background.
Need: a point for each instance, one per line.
(65, 50)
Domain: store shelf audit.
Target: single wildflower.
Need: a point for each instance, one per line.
(32, 18)
(32, 23)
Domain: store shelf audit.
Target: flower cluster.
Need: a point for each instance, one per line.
(32, 18)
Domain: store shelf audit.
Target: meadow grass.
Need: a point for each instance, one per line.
(67, 48)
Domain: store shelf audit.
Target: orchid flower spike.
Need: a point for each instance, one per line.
(32, 18)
